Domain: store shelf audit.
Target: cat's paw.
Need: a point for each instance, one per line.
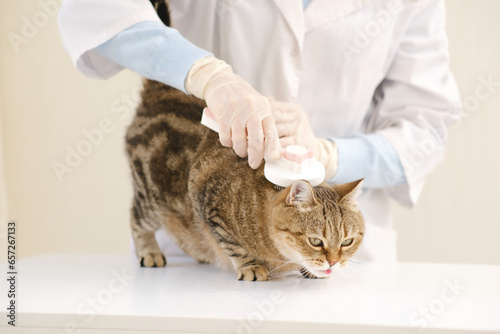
(306, 273)
(153, 260)
(253, 273)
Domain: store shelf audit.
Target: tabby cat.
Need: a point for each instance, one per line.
(218, 209)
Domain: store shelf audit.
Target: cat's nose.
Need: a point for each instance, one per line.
(331, 263)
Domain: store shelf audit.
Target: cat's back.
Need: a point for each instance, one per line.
(163, 110)
(164, 140)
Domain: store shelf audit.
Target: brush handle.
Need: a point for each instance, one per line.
(208, 119)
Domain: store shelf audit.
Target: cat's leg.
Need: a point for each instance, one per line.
(143, 232)
(247, 267)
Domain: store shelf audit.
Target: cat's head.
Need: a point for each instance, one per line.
(319, 227)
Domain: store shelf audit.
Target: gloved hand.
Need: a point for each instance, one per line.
(294, 128)
(243, 115)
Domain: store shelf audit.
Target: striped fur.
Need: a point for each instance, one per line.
(218, 209)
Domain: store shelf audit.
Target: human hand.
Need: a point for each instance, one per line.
(293, 125)
(243, 115)
(294, 128)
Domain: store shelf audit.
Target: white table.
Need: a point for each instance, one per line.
(111, 294)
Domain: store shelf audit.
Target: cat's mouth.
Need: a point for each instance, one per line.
(321, 273)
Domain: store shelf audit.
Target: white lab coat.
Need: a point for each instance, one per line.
(356, 66)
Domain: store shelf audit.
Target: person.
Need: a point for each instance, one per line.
(364, 84)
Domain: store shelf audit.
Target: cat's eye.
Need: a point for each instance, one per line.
(347, 242)
(316, 242)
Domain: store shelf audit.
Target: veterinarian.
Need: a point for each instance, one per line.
(363, 83)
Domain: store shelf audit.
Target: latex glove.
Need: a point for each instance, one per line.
(294, 128)
(243, 115)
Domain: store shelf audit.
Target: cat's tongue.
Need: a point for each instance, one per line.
(328, 271)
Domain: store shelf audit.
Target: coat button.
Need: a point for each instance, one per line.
(293, 53)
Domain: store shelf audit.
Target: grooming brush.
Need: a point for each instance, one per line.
(298, 162)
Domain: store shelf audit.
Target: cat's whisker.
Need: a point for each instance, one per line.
(277, 260)
(307, 280)
(345, 273)
(280, 266)
(351, 272)
(295, 261)
(291, 274)
(353, 266)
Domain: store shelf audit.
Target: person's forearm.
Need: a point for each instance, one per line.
(154, 51)
(370, 157)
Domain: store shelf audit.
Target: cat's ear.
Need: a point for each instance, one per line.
(349, 192)
(300, 193)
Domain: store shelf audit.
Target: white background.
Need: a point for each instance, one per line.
(46, 105)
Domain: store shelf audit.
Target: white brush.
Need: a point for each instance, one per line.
(298, 162)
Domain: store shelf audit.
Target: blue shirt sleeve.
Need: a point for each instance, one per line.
(370, 157)
(154, 51)
(305, 3)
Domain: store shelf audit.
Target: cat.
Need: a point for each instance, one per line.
(219, 210)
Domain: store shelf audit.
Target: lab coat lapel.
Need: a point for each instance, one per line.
(293, 13)
(320, 12)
